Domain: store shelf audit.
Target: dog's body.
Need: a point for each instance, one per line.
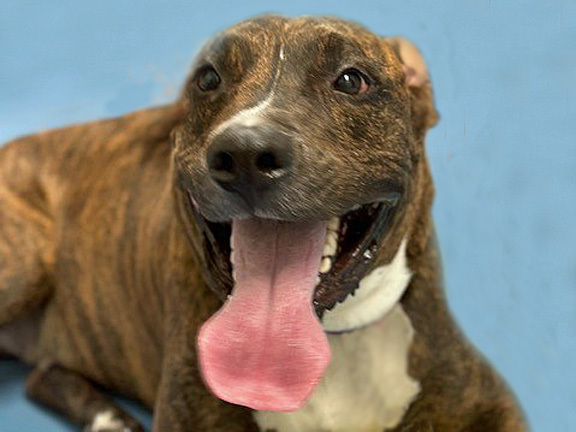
(106, 263)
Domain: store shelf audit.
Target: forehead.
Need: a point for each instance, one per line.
(309, 34)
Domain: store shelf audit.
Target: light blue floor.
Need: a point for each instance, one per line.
(503, 156)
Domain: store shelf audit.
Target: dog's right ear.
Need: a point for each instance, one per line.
(424, 113)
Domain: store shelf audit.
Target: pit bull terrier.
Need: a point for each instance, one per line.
(290, 183)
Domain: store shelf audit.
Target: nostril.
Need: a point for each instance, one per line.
(268, 162)
(223, 162)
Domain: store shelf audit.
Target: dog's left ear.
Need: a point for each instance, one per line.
(418, 82)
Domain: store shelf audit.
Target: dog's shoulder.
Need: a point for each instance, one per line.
(141, 127)
(56, 160)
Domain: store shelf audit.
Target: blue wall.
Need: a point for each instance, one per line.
(503, 156)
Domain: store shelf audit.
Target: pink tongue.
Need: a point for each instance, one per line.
(265, 348)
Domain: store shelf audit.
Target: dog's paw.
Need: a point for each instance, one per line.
(106, 421)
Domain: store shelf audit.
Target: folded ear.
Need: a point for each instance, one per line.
(418, 82)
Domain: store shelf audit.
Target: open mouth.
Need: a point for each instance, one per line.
(266, 347)
(348, 253)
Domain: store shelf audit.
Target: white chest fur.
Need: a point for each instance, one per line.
(366, 387)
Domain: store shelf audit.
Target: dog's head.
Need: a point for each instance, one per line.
(300, 168)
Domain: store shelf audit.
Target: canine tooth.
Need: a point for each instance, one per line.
(334, 224)
(325, 265)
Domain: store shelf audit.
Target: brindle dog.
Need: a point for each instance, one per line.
(297, 146)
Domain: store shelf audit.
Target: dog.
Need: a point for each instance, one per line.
(257, 256)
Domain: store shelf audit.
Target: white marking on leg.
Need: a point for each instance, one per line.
(106, 421)
(376, 295)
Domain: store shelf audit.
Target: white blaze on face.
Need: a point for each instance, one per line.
(256, 114)
(376, 295)
(247, 117)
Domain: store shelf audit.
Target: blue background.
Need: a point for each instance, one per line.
(503, 155)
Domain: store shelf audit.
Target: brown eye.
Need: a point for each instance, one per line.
(351, 82)
(208, 79)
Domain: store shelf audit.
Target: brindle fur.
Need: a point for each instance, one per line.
(94, 244)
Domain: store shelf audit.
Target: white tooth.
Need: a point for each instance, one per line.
(328, 250)
(318, 280)
(332, 240)
(325, 265)
(331, 243)
(334, 224)
(329, 247)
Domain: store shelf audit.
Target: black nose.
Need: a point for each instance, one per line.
(247, 159)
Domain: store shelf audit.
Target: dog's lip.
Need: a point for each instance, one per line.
(337, 284)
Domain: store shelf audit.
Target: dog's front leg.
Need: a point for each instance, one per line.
(76, 398)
